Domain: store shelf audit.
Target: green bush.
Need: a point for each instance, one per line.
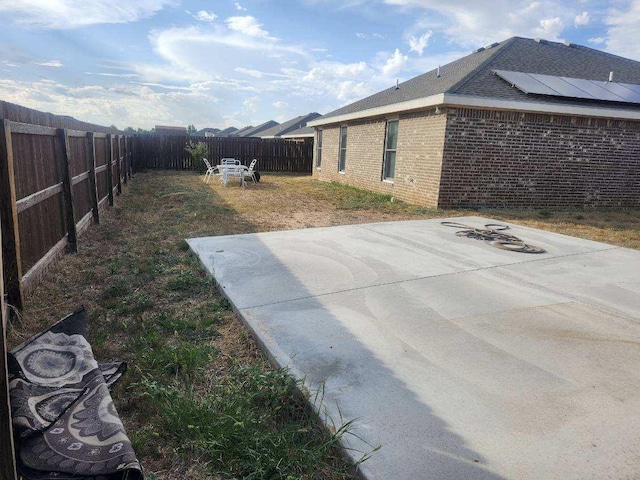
(198, 151)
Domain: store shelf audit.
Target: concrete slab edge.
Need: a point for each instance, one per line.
(358, 474)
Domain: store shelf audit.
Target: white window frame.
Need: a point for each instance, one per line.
(385, 176)
(342, 148)
(319, 150)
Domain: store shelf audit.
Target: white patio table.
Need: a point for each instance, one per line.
(232, 170)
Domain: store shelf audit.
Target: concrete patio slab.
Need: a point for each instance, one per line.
(458, 359)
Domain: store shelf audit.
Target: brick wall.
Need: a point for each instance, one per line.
(418, 157)
(522, 160)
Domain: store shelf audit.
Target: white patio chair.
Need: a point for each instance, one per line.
(250, 172)
(210, 170)
(229, 161)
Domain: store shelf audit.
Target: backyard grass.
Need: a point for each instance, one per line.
(200, 400)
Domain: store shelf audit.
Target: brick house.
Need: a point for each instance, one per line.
(497, 128)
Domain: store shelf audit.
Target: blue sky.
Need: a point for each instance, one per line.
(224, 63)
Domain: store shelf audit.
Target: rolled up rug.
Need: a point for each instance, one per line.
(64, 421)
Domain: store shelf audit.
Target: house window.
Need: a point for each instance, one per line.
(319, 150)
(342, 159)
(390, 144)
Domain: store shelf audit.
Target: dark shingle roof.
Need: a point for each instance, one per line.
(299, 133)
(226, 132)
(289, 125)
(201, 133)
(238, 133)
(473, 75)
(254, 131)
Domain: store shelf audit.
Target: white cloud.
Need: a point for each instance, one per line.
(623, 34)
(124, 104)
(250, 104)
(550, 28)
(239, 7)
(471, 24)
(205, 16)
(419, 44)
(582, 19)
(247, 25)
(596, 40)
(68, 14)
(395, 63)
(371, 36)
(50, 63)
(280, 104)
(346, 82)
(118, 75)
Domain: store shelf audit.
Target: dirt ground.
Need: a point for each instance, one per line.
(134, 274)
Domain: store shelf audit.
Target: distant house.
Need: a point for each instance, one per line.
(240, 132)
(206, 132)
(226, 132)
(288, 126)
(255, 131)
(520, 123)
(167, 130)
(300, 133)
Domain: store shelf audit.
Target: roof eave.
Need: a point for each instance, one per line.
(454, 100)
(299, 135)
(417, 104)
(536, 107)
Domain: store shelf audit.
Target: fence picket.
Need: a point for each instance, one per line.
(12, 264)
(273, 154)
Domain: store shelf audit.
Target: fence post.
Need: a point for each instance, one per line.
(125, 158)
(7, 449)
(93, 190)
(67, 194)
(11, 260)
(118, 168)
(110, 169)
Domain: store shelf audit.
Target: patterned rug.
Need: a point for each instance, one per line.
(64, 421)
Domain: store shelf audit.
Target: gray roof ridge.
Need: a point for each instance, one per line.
(480, 68)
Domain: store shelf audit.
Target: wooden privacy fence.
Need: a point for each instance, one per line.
(273, 154)
(53, 183)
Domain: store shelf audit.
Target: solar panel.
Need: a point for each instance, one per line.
(557, 86)
(525, 82)
(594, 90)
(622, 90)
(563, 88)
(631, 86)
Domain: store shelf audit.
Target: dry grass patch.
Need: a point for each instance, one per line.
(200, 400)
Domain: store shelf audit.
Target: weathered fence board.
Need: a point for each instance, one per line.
(12, 265)
(18, 113)
(7, 450)
(53, 179)
(57, 182)
(273, 154)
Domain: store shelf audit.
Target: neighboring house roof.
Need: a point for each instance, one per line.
(238, 133)
(300, 133)
(289, 126)
(169, 130)
(468, 80)
(201, 133)
(226, 132)
(260, 128)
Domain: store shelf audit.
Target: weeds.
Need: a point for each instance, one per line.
(243, 427)
(200, 401)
